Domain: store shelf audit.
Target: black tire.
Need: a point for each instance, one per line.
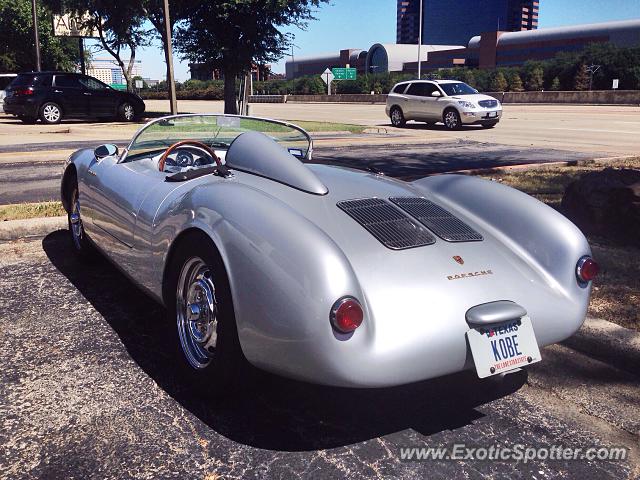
(79, 240)
(397, 117)
(28, 120)
(50, 113)
(451, 119)
(127, 112)
(224, 370)
(489, 124)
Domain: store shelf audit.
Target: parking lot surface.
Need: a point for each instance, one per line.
(90, 388)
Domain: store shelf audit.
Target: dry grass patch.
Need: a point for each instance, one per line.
(616, 293)
(22, 211)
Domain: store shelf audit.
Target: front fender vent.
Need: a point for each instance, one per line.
(390, 226)
(437, 219)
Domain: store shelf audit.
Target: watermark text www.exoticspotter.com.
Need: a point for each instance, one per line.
(515, 453)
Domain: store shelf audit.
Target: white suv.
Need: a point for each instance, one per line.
(451, 102)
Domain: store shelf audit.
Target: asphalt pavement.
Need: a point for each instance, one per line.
(32, 172)
(90, 388)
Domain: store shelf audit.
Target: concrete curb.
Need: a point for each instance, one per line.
(33, 227)
(608, 342)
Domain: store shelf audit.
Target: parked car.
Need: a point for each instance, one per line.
(322, 273)
(451, 102)
(54, 96)
(5, 80)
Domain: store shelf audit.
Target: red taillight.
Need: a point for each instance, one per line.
(346, 315)
(587, 269)
(23, 91)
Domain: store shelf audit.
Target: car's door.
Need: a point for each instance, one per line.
(112, 197)
(432, 106)
(70, 94)
(102, 98)
(417, 94)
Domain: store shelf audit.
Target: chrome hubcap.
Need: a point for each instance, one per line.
(197, 310)
(396, 117)
(77, 231)
(51, 113)
(128, 112)
(451, 120)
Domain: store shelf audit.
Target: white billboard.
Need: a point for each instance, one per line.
(70, 25)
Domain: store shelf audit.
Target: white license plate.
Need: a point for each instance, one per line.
(493, 114)
(503, 347)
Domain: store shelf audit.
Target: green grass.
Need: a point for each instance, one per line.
(22, 211)
(329, 127)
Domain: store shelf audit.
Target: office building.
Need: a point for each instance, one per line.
(454, 22)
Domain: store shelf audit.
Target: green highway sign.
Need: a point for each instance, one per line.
(344, 73)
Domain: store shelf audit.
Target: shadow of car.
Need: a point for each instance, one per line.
(271, 412)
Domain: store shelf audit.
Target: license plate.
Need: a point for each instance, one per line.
(493, 114)
(503, 347)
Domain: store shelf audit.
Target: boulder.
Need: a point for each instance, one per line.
(606, 203)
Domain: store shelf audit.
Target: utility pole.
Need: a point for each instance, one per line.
(36, 38)
(170, 80)
(420, 42)
(592, 69)
(83, 68)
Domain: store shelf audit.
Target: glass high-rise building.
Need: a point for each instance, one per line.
(454, 22)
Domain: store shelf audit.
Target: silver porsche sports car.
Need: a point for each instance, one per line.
(322, 273)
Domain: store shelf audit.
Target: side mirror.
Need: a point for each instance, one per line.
(436, 94)
(104, 151)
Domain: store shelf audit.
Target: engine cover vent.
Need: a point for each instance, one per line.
(390, 226)
(437, 219)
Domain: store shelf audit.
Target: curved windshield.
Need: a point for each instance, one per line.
(458, 88)
(216, 131)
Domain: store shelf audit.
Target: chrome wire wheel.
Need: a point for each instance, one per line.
(51, 113)
(196, 311)
(451, 120)
(129, 111)
(75, 223)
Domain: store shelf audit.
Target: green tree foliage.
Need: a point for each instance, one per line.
(233, 34)
(515, 82)
(555, 84)
(498, 82)
(17, 51)
(120, 26)
(581, 78)
(534, 74)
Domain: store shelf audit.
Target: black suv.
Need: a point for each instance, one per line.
(52, 96)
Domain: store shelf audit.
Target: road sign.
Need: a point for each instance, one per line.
(139, 84)
(69, 25)
(616, 83)
(327, 76)
(345, 73)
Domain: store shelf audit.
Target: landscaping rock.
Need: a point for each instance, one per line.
(606, 203)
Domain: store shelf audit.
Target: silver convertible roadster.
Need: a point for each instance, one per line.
(322, 273)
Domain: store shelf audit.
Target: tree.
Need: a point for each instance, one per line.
(120, 26)
(17, 51)
(581, 78)
(232, 35)
(515, 83)
(498, 82)
(555, 84)
(535, 78)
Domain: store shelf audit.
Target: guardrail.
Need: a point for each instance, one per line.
(596, 97)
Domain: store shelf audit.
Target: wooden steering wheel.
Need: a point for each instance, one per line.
(193, 143)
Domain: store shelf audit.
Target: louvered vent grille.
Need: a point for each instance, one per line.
(437, 219)
(488, 103)
(390, 226)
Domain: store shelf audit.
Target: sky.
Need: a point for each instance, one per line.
(359, 24)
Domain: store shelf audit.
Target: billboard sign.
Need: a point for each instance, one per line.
(70, 25)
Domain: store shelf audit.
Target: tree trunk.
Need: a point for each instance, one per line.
(230, 100)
